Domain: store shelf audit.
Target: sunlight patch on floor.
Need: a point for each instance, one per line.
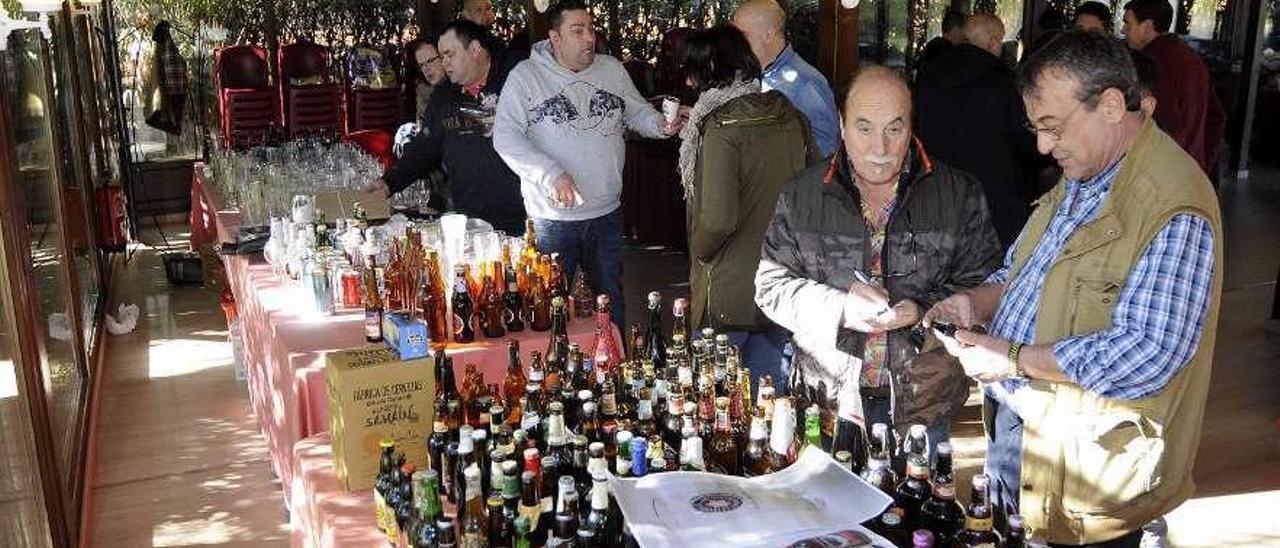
(1230, 520)
(176, 357)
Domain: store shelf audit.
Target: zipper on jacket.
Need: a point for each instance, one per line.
(724, 123)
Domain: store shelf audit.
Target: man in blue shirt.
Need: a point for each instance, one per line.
(764, 23)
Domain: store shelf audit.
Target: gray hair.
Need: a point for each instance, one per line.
(1093, 59)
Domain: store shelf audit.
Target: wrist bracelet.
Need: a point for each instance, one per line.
(1015, 370)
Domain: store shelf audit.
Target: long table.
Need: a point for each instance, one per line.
(285, 344)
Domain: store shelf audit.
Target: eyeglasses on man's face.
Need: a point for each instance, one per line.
(1054, 132)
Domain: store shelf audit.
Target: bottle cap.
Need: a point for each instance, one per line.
(922, 539)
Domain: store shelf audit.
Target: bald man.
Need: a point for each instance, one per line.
(479, 12)
(970, 115)
(764, 24)
(858, 248)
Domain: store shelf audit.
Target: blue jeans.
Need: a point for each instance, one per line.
(765, 353)
(596, 244)
(877, 410)
(1004, 453)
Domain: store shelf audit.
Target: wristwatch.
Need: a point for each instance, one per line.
(1015, 370)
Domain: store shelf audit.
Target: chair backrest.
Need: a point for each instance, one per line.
(304, 62)
(242, 66)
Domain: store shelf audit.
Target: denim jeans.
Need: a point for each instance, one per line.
(878, 410)
(1004, 454)
(596, 244)
(765, 353)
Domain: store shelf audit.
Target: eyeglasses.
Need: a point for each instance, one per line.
(1054, 133)
(429, 62)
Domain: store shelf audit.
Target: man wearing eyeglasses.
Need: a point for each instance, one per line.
(858, 249)
(1103, 317)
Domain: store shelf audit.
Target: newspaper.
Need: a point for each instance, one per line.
(813, 502)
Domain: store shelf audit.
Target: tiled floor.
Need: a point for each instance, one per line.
(180, 461)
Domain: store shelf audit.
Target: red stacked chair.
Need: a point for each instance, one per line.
(246, 98)
(309, 102)
(374, 97)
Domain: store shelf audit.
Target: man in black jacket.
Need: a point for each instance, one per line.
(858, 248)
(458, 132)
(970, 115)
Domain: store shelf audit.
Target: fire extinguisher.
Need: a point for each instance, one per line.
(113, 224)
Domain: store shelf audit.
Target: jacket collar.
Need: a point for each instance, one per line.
(918, 165)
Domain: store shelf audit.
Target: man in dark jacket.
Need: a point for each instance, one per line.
(882, 211)
(967, 111)
(458, 132)
(952, 36)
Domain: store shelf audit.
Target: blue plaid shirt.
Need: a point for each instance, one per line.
(1157, 321)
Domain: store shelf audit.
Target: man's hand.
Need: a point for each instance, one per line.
(863, 304)
(957, 310)
(563, 190)
(985, 358)
(904, 314)
(378, 187)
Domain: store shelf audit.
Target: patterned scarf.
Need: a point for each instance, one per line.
(691, 135)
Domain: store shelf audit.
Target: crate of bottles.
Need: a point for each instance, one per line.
(374, 395)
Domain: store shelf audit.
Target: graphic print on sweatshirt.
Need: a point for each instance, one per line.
(603, 110)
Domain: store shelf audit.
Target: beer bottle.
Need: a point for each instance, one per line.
(427, 492)
(372, 302)
(756, 459)
(914, 489)
(530, 252)
(556, 283)
(622, 465)
(449, 472)
(813, 426)
(522, 533)
(598, 519)
(438, 441)
(978, 530)
(512, 303)
(466, 457)
(691, 459)
(436, 307)
(589, 426)
(782, 450)
(394, 501)
(680, 331)
(765, 395)
(850, 436)
(475, 527)
(922, 539)
(540, 305)
(500, 533)
(558, 343)
(1017, 537)
(889, 525)
(382, 486)
(879, 458)
(531, 508)
(653, 332)
(491, 318)
(514, 382)
(581, 459)
(565, 532)
(941, 514)
(463, 309)
(724, 448)
(447, 532)
(605, 352)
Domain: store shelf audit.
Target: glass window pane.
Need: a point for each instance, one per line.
(38, 185)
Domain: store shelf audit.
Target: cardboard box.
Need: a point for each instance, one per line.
(374, 395)
(409, 338)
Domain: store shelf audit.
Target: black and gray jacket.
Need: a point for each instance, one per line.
(940, 240)
(457, 134)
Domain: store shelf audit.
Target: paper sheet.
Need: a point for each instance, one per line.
(812, 497)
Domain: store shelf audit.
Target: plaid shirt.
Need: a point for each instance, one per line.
(1157, 321)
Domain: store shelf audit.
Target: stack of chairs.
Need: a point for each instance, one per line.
(375, 100)
(246, 99)
(309, 102)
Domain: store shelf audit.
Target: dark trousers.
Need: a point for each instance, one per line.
(596, 244)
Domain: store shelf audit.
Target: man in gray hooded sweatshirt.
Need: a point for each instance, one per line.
(560, 124)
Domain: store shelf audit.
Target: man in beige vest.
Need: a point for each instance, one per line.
(1102, 320)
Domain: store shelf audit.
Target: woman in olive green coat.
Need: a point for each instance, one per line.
(740, 146)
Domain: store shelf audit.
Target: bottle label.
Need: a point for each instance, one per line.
(609, 403)
(977, 524)
(644, 410)
(531, 513)
(623, 466)
(373, 324)
(916, 470)
(458, 324)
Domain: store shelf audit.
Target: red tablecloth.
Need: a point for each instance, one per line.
(284, 343)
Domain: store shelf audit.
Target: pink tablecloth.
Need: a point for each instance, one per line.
(324, 514)
(285, 343)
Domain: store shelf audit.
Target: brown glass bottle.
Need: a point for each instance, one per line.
(539, 305)
(491, 310)
(756, 460)
(914, 489)
(724, 456)
(463, 308)
(979, 531)
(372, 302)
(941, 514)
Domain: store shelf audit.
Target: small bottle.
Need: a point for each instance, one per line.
(1017, 537)
(914, 489)
(978, 529)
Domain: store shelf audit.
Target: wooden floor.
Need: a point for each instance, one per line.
(180, 461)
